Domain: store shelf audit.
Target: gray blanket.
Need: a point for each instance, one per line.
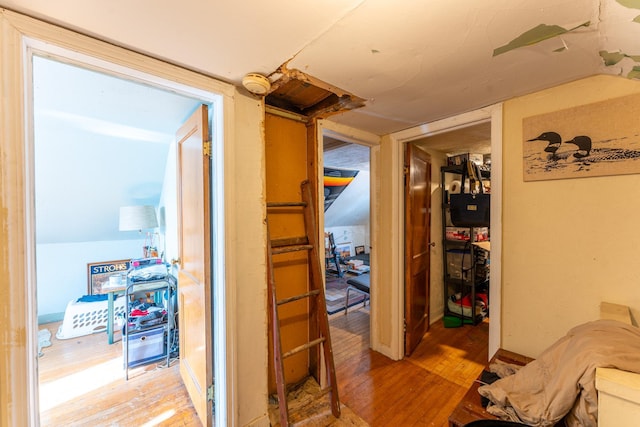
(561, 382)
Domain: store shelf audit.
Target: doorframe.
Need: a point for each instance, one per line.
(23, 36)
(395, 199)
(367, 139)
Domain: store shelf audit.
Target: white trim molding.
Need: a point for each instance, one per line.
(394, 198)
(21, 37)
(356, 136)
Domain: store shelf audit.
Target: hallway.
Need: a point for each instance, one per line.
(421, 390)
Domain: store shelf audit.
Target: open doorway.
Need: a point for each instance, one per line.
(26, 37)
(391, 166)
(100, 143)
(449, 150)
(347, 225)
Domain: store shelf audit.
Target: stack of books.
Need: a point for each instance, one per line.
(356, 266)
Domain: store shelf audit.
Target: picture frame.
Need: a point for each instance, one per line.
(597, 139)
(343, 249)
(359, 250)
(99, 273)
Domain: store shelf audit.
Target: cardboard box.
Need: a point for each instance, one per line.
(355, 263)
(459, 159)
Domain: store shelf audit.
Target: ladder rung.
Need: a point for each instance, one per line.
(303, 347)
(323, 392)
(296, 248)
(286, 204)
(290, 241)
(299, 297)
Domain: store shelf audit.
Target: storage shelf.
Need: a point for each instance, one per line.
(457, 169)
(460, 242)
(163, 289)
(471, 282)
(458, 282)
(148, 285)
(148, 328)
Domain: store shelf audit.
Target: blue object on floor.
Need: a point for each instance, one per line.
(92, 298)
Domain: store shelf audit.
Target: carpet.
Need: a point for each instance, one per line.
(336, 294)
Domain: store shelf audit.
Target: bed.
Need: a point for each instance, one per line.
(560, 384)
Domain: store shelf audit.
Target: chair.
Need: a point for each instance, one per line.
(331, 253)
(361, 284)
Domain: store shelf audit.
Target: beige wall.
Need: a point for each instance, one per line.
(436, 293)
(384, 160)
(388, 276)
(248, 213)
(567, 244)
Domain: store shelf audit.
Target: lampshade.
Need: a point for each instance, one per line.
(137, 218)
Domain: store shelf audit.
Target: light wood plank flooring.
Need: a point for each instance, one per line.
(82, 381)
(420, 390)
(82, 384)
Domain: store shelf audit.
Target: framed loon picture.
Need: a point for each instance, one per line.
(597, 139)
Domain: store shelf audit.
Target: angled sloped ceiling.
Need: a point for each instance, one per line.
(352, 205)
(100, 143)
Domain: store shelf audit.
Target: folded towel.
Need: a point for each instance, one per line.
(93, 298)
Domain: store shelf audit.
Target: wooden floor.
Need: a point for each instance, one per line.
(82, 380)
(82, 384)
(420, 390)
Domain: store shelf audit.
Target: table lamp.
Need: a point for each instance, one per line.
(140, 218)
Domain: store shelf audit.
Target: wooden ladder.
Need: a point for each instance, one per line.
(315, 294)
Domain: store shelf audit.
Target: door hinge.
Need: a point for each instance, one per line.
(210, 392)
(206, 148)
(406, 170)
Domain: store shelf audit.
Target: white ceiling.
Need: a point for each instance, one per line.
(414, 61)
(352, 207)
(100, 143)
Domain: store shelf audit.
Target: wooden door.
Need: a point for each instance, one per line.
(417, 245)
(194, 264)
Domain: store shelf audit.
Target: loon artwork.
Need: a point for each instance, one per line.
(596, 139)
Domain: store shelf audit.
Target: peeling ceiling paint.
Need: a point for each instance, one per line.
(536, 35)
(411, 61)
(634, 73)
(631, 4)
(612, 58)
(408, 62)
